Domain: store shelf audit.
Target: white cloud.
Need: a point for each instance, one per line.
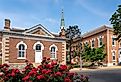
(92, 9)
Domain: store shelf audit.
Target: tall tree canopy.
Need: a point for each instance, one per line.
(71, 33)
(116, 22)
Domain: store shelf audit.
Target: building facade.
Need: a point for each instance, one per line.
(31, 44)
(98, 37)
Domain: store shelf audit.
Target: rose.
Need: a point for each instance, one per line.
(58, 74)
(40, 77)
(67, 79)
(25, 78)
(63, 67)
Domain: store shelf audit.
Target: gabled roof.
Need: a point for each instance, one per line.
(36, 28)
(98, 30)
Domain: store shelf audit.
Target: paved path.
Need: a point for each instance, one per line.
(108, 74)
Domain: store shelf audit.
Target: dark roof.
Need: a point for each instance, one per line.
(95, 31)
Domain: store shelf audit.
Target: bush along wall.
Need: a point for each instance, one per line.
(46, 72)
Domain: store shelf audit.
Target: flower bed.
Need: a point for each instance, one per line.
(46, 72)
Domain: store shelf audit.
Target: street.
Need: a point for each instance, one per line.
(103, 75)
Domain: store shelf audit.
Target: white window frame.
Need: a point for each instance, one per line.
(120, 44)
(93, 39)
(113, 55)
(86, 42)
(56, 49)
(38, 42)
(17, 46)
(99, 40)
(114, 40)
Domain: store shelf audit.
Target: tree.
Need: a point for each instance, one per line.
(93, 54)
(71, 33)
(116, 22)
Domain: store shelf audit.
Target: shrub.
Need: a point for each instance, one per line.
(46, 72)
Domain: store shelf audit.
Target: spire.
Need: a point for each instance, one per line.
(62, 26)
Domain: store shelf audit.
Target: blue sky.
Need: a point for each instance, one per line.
(87, 14)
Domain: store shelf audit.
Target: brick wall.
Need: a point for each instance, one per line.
(30, 53)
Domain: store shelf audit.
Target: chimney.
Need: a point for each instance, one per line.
(7, 24)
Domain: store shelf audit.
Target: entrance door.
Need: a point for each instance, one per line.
(38, 54)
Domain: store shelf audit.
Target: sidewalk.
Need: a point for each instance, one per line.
(99, 68)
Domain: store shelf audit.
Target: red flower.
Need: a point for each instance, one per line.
(53, 63)
(40, 77)
(25, 78)
(44, 71)
(5, 65)
(12, 74)
(70, 74)
(67, 79)
(58, 74)
(40, 66)
(17, 71)
(32, 72)
(48, 71)
(63, 67)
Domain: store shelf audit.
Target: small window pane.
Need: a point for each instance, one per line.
(38, 47)
(53, 52)
(92, 43)
(21, 51)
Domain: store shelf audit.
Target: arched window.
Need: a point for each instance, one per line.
(53, 51)
(38, 47)
(21, 50)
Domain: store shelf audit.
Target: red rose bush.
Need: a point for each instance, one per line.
(46, 72)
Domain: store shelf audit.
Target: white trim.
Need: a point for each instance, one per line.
(114, 40)
(113, 55)
(99, 40)
(39, 26)
(33, 38)
(17, 46)
(21, 57)
(93, 39)
(56, 49)
(53, 45)
(38, 42)
(119, 44)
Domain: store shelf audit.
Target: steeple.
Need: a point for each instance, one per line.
(62, 25)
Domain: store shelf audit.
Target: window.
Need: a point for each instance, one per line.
(86, 43)
(53, 51)
(38, 47)
(113, 41)
(93, 43)
(113, 55)
(100, 41)
(21, 50)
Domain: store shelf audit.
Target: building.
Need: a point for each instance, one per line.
(98, 37)
(31, 44)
